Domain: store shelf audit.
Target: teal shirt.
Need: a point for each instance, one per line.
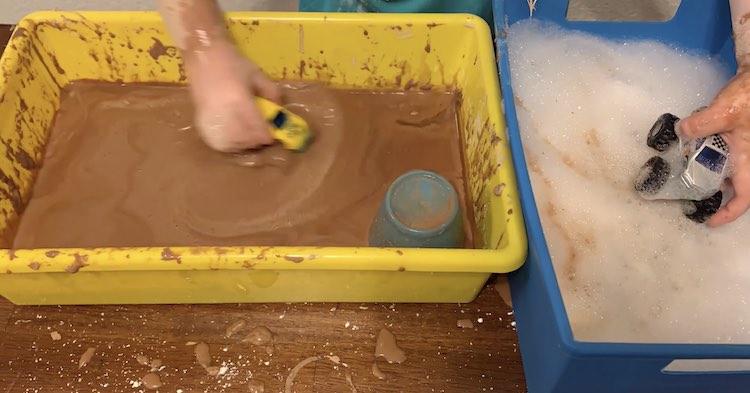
(482, 8)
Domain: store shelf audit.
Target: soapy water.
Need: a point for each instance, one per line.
(630, 270)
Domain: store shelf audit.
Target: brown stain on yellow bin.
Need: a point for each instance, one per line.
(114, 47)
(294, 259)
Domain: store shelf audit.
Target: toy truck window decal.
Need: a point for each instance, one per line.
(711, 159)
(279, 120)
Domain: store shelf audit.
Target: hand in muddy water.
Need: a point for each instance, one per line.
(728, 115)
(223, 85)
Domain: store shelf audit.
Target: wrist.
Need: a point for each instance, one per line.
(743, 62)
(203, 58)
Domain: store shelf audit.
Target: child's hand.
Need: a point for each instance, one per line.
(728, 115)
(223, 85)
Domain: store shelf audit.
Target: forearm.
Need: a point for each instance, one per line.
(741, 26)
(196, 26)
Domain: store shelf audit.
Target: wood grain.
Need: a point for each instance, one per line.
(441, 357)
(5, 31)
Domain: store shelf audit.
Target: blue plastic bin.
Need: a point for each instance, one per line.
(553, 360)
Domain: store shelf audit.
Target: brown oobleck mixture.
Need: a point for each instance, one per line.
(124, 167)
(387, 347)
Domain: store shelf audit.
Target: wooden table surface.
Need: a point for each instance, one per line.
(440, 356)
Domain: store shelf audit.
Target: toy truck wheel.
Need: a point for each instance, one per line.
(652, 176)
(701, 211)
(662, 134)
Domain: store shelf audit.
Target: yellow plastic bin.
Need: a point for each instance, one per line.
(50, 49)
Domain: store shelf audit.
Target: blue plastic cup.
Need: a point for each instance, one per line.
(420, 210)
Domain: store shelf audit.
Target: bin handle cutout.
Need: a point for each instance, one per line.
(707, 366)
(622, 11)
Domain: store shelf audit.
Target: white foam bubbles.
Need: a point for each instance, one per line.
(630, 270)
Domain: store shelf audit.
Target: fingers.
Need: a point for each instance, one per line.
(735, 208)
(265, 87)
(738, 205)
(260, 84)
(238, 128)
(213, 128)
(256, 127)
(227, 115)
(712, 120)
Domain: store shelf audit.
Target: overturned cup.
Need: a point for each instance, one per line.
(420, 210)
